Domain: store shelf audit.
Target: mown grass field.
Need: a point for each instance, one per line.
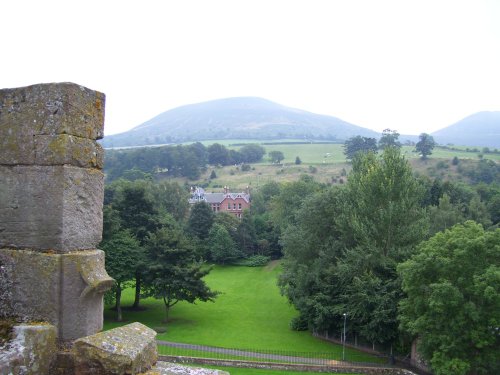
(249, 314)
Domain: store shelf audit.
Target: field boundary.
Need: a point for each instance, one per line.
(344, 368)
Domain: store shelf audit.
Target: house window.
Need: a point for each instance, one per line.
(229, 206)
(234, 206)
(239, 206)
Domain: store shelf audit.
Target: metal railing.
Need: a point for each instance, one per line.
(333, 358)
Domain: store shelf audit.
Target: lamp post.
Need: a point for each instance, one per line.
(343, 341)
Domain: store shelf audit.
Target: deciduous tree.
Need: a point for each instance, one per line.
(357, 144)
(276, 156)
(174, 275)
(453, 300)
(389, 139)
(425, 145)
(222, 247)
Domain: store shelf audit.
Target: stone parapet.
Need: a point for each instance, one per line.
(50, 109)
(57, 208)
(62, 289)
(30, 351)
(130, 349)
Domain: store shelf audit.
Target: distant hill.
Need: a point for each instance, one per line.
(480, 129)
(236, 118)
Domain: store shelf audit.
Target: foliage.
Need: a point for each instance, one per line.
(169, 161)
(213, 175)
(200, 220)
(222, 246)
(136, 210)
(453, 300)
(357, 144)
(299, 323)
(298, 161)
(254, 261)
(122, 253)
(170, 197)
(486, 171)
(174, 161)
(276, 156)
(285, 205)
(139, 216)
(218, 154)
(246, 236)
(389, 139)
(445, 215)
(425, 145)
(173, 274)
(343, 246)
(252, 153)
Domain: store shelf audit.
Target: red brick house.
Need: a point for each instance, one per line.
(233, 203)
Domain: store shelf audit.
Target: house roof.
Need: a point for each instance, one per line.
(199, 195)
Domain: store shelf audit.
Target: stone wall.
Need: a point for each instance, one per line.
(51, 196)
(343, 369)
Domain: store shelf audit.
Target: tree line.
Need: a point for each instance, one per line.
(403, 257)
(389, 138)
(175, 161)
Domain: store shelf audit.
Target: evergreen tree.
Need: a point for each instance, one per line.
(222, 246)
(200, 220)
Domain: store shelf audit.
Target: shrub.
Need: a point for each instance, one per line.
(299, 323)
(441, 164)
(245, 167)
(254, 261)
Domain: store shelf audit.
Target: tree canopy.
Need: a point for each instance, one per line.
(343, 245)
(425, 145)
(389, 139)
(357, 144)
(276, 156)
(174, 274)
(453, 300)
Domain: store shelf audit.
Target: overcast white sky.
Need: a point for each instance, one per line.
(413, 66)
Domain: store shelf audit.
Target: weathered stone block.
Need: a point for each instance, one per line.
(130, 349)
(63, 289)
(30, 351)
(165, 368)
(67, 149)
(51, 109)
(55, 208)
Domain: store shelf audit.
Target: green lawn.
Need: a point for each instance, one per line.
(249, 314)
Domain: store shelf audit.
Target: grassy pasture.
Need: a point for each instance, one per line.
(249, 314)
(328, 160)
